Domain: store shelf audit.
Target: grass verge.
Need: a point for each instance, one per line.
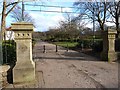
(73, 46)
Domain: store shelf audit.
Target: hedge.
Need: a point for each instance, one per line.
(98, 45)
(117, 45)
(87, 43)
(9, 51)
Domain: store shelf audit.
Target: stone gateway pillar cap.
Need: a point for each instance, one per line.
(22, 26)
(24, 70)
(112, 31)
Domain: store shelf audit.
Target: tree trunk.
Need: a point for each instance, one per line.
(101, 26)
(3, 22)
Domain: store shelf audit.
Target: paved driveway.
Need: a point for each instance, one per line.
(70, 69)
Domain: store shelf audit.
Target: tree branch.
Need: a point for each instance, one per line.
(11, 4)
(11, 9)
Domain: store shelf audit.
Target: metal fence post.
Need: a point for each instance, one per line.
(67, 48)
(56, 48)
(43, 48)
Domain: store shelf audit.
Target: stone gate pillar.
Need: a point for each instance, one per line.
(24, 70)
(109, 45)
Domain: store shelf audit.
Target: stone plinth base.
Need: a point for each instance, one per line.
(109, 56)
(23, 75)
(3, 75)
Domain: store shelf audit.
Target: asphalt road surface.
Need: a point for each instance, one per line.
(70, 69)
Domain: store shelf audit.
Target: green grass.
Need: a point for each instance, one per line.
(64, 44)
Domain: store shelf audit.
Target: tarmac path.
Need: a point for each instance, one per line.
(70, 69)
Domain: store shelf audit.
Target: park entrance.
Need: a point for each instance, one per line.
(49, 60)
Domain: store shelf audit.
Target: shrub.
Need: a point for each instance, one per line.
(117, 45)
(87, 43)
(98, 46)
(9, 52)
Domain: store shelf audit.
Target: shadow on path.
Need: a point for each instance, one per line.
(60, 58)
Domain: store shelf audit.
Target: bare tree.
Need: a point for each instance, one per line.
(71, 27)
(17, 15)
(96, 11)
(7, 8)
(114, 10)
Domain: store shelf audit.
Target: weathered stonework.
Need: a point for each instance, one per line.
(3, 76)
(109, 45)
(24, 70)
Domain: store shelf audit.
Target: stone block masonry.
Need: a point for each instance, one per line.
(3, 75)
(109, 45)
(24, 70)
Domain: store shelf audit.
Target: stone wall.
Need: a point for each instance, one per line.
(3, 76)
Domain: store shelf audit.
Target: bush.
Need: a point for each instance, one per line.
(117, 45)
(9, 52)
(87, 43)
(98, 46)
